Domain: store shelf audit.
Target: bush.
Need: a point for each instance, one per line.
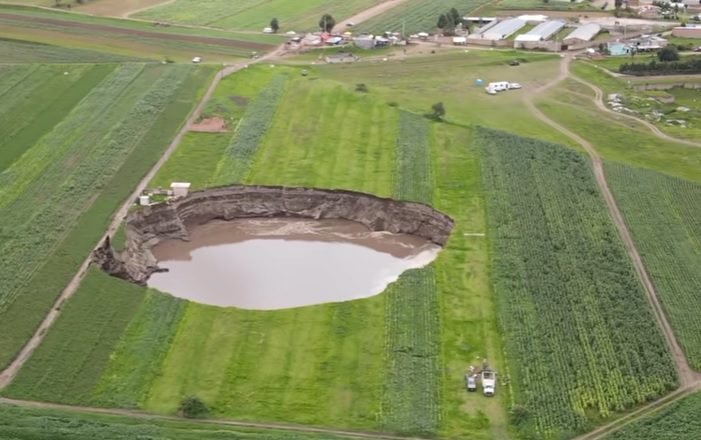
(192, 407)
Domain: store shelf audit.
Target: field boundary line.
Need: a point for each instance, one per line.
(9, 373)
(367, 14)
(236, 423)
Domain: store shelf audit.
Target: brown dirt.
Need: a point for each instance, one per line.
(140, 33)
(209, 125)
(367, 14)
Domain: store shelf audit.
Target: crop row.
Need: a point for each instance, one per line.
(254, 125)
(411, 395)
(197, 12)
(16, 51)
(62, 260)
(678, 421)
(412, 177)
(415, 16)
(580, 337)
(664, 216)
(76, 170)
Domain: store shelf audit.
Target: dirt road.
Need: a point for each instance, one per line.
(367, 14)
(9, 373)
(686, 374)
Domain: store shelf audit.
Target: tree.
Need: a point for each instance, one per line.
(192, 407)
(438, 111)
(669, 53)
(442, 22)
(455, 15)
(326, 23)
(617, 4)
(274, 25)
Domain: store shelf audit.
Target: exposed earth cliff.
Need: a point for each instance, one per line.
(156, 223)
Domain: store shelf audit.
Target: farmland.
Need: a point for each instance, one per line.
(662, 214)
(416, 16)
(35, 423)
(17, 51)
(64, 173)
(678, 421)
(580, 338)
(126, 37)
(252, 15)
(263, 375)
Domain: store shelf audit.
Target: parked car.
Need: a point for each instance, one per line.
(197, 60)
(268, 30)
(698, 49)
(514, 86)
(471, 382)
(514, 63)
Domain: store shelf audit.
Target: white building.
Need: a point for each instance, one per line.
(501, 30)
(180, 189)
(543, 31)
(582, 34)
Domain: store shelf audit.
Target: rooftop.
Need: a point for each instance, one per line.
(585, 32)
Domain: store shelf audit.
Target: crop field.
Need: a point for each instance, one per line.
(17, 51)
(394, 362)
(34, 423)
(580, 338)
(678, 421)
(129, 37)
(662, 214)
(416, 16)
(64, 171)
(253, 15)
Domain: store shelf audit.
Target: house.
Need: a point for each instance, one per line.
(617, 48)
(688, 31)
(646, 43)
(365, 42)
(180, 189)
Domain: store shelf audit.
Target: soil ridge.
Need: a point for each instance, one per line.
(153, 224)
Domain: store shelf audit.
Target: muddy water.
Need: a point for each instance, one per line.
(268, 264)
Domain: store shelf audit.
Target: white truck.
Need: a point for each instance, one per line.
(489, 382)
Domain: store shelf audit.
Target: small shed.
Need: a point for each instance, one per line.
(459, 40)
(365, 42)
(180, 189)
(617, 48)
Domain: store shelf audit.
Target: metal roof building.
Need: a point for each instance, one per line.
(543, 31)
(583, 33)
(504, 29)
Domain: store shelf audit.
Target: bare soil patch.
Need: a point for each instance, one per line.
(209, 125)
(140, 33)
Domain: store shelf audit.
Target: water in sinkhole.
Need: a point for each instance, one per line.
(268, 264)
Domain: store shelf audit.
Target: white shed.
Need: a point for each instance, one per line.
(459, 40)
(180, 189)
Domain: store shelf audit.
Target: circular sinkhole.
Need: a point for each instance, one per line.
(279, 263)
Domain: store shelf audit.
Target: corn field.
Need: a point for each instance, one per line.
(664, 216)
(580, 338)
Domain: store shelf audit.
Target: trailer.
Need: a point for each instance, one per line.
(489, 382)
(471, 382)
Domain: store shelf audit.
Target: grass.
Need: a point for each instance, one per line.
(676, 421)
(61, 370)
(416, 84)
(251, 15)
(660, 211)
(51, 424)
(63, 250)
(18, 51)
(623, 140)
(563, 311)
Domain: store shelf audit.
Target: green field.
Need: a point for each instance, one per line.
(678, 421)
(415, 16)
(64, 171)
(580, 338)
(17, 51)
(48, 424)
(129, 37)
(253, 15)
(662, 214)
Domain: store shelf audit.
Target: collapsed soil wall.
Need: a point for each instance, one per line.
(666, 86)
(156, 223)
